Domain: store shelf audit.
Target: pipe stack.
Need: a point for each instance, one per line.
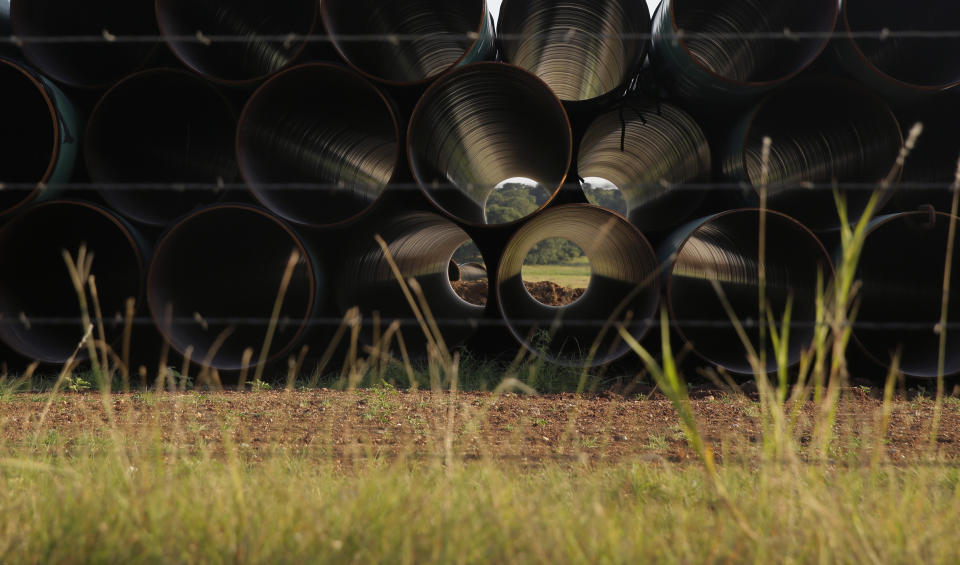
(245, 174)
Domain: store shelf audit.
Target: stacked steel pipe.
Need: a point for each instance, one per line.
(245, 174)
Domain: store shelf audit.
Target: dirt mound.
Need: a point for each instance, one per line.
(546, 292)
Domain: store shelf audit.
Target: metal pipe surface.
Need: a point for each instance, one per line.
(162, 128)
(725, 249)
(482, 125)
(38, 138)
(582, 49)
(822, 132)
(318, 144)
(46, 26)
(903, 68)
(410, 42)
(902, 273)
(216, 275)
(654, 154)
(728, 51)
(245, 43)
(623, 287)
(39, 306)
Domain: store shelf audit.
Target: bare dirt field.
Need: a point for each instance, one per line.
(546, 292)
(421, 424)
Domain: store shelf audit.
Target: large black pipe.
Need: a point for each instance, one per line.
(822, 131)
(484, 124)
(39, 306)
(47, 26)
(901, 270)
(318, 144)
(410, 42)
(236, 41)
(623, 287)
(729, 51)
(422, 245)
(725, 249)
(654, 154)
(582, 49)
(168, 130)
(217, 274)
(904, 52)
(38, 137)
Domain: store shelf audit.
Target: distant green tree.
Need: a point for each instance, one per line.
(553, 251)
(513, 201)
(609, 198)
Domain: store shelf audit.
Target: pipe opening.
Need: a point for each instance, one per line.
(663, 149)
(39, 307)
(926, 62)
(485, 126)
(725, 249)
(161, 127)
(422, 245)
(471, 283)
(725, 48)
(577, 47)
(249, 60)
(28, 139)
(821, 132)
(514, 199)
(85, 64)
(556, 272)
(216, 276)
(622, 287)
(430, 36)
(901, 268)
(318, 144)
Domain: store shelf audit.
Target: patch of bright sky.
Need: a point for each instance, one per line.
(494, 6)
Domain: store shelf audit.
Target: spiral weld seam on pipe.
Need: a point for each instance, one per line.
(409, 62)
(904, 70)
(242, 248)
(34, 281)
(581, 57)
(481, 125)
(623, 286)
(319, 123)
(822, 131)
(710, 70)
(127, 143)
(86, 65)
(902, 273)
(663, 148)
(30, 151)
(725, 248)
(422, 244)
(240, 64)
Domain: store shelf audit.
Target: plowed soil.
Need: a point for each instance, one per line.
(549, 293)
(421, 424)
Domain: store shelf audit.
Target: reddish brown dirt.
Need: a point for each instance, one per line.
(546, 292)
(425, 425)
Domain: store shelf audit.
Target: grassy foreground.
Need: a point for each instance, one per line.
(575, 274)
(145, 504)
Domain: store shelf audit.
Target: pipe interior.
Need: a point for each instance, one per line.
(902, 268)
(321, 126)
(725, 249)
(34, 279)
(623, 286)
(575, 46)
(663, 150)
(735, 56)
(821, 132)
(161, 128)
(481, 126)
(28, 135)
(86, 63)
(254, 21)
(431, 35)
(221, 269)
(422, 245)
(928, 62)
